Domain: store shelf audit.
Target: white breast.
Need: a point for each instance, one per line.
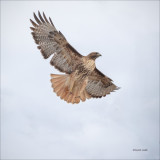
(90, 64)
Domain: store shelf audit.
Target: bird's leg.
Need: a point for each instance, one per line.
(84, 85)
(72, 80)
(71, 86)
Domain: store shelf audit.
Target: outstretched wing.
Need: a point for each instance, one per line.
(99, 85)
(50, 41)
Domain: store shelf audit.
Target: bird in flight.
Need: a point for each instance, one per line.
(82, 80)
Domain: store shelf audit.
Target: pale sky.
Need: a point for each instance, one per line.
(36, 124)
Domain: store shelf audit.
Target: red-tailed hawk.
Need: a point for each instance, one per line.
(82, 79)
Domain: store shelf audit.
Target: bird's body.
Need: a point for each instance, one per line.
(75, 83)
(85, 68)
(82, 79)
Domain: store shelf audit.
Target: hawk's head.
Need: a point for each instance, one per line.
(94, 55)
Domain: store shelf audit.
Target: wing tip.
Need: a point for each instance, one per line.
(32, 28)
(117, 88)
(33, 23)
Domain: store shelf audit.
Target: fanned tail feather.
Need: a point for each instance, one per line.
(60, 85)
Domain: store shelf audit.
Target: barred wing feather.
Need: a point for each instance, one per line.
(99, 85)
(52, 42)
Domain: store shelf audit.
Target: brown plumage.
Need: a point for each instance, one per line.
(82, 79)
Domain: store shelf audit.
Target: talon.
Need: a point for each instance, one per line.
(70, 90)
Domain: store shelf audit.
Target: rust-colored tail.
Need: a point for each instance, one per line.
(61, 84)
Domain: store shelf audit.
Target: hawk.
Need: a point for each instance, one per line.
(82, 80)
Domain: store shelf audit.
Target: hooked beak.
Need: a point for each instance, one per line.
(98, 54)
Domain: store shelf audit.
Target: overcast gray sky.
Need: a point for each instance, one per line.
(36, 124)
